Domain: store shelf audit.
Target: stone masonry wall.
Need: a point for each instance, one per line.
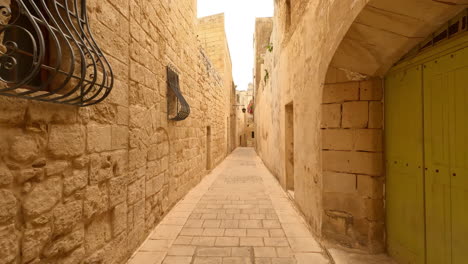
(87, 185)
(212, 35)
(352, 150)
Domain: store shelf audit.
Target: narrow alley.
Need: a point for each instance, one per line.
(233, 132)
(238, 214)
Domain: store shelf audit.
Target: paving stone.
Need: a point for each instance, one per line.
(176, 260)
(232, 219)
(258, 233)
(181, 250)
(241, 251)
(237, 232)
(276, 242)
(156, 245)
(307, 258)
(208, 260)
(236, 260)
(148, 258)
(194, 223)
(301, 244)
(183, 240)
(251, 241)
(265, 252)
(227, 241)
(204, 241)
(284, 252)
(214, 252)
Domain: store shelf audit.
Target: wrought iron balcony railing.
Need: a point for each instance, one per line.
(177, 107)
(49, 54)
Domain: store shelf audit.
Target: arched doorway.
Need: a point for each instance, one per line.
(370, 202)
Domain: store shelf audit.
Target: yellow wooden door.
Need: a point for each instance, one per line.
(404, 165)
(437, 82)
(458, 133)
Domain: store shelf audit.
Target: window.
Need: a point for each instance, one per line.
(253, 134)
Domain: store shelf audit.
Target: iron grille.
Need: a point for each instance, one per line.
(177, 109)
(49, 54)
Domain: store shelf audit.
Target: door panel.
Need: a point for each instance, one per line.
(404, 170)
(437, 83)
(459, 158)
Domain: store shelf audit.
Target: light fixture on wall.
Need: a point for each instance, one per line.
(49, 54)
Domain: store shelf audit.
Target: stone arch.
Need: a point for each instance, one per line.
(352, 113)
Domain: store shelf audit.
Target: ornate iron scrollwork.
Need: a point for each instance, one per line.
(49, 54)
(179, 105)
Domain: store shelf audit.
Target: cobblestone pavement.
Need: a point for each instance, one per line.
(237, 215)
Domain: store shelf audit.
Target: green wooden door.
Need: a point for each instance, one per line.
(446, 154)
(404, 165)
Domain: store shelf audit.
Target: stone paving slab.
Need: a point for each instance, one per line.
(238, 214)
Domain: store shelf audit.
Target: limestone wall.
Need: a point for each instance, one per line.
(352, 159)
(305, 36)
(212, 35)
(329, 68)
(87, 185)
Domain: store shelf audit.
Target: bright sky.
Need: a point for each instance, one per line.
(240, 26)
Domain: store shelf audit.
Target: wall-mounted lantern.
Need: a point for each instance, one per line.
(49, 54)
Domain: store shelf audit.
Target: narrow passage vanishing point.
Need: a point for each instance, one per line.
(237, 215)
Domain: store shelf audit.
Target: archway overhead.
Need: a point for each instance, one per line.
(386, 30)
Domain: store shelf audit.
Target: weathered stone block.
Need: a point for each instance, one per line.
(136, 191)
(24, 148)
(376, 115)
(56, 167)
(331, 116)
(66, 141)
(154, 185)
(8, 244)
(338, 139)
(117, 190)
(349, 203)
(372, 90)
(120, 137)
(43, 197)
(67, 216)
(341, 92)
(99, 138)
(28, 174)
(65, 244)
(8, 206)
(81, 163)
(97, 233)
(6, 177)
(339, 182)
(96, 202)
(353, 162)
(76, 180)
(370, 187)
(375, 210)
(34, 241)
(119, 219)
(368, 140)
(355, 114)
(76, 257)
(137, 158)
(12, 110)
